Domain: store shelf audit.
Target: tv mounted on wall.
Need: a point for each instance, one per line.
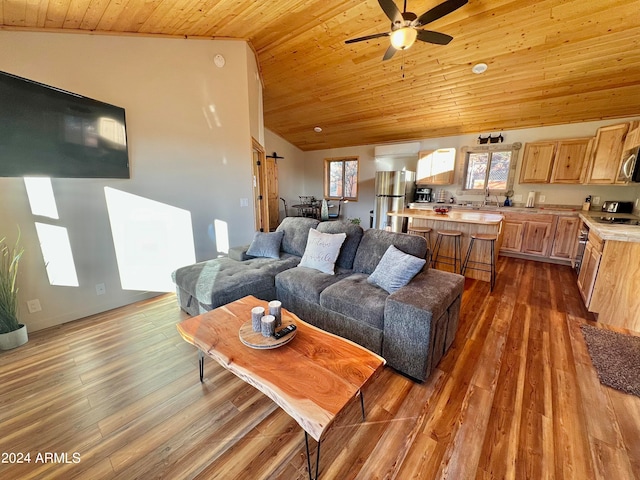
(46, 131)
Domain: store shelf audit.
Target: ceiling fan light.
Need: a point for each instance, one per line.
(403, 38)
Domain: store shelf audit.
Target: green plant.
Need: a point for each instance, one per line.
(9, 260)
(355, 221)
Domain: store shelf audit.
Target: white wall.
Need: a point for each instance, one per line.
(189, 128)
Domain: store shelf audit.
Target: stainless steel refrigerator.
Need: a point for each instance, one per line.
(394, 191)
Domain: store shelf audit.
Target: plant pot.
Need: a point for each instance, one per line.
(14, 339)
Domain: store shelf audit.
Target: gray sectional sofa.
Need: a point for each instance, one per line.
(411, 328)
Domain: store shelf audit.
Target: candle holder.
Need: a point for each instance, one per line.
(268, 325)
(256, 318)
(275, 309)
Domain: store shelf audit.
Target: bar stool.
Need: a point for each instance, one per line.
(482, 237)
(457, 253)
(423, 232)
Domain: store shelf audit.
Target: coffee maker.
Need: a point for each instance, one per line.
(423, 195)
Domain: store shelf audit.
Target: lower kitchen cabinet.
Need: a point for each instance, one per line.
(589, 268)
(565, 238)
(609, 281)
(526, 233)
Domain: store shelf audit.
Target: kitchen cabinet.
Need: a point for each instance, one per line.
(436, 167)
(527, 233)
(616, 283)
(511, 235)
(632, 139)
(607, 154)
(558, 161)
(570, 161)
(565, 238)
(589, 271)
(537, 162)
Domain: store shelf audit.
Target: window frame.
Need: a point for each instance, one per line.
(514, 148)
(327, 181)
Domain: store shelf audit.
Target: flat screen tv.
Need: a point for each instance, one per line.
(46, 131)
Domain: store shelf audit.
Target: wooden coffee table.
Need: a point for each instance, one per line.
(312, 378)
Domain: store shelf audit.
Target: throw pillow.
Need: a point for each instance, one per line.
(322, 250)
(395, 269)
(266, 245)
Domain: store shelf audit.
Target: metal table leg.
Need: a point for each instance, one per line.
(201, 364)
(306, 443)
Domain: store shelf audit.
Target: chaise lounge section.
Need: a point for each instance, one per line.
(412, 328)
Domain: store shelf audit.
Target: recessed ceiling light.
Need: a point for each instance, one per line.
(479, 68)
(317, 129)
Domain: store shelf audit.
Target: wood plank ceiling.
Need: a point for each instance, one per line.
(550, 62)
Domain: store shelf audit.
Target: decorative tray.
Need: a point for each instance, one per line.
(256, 340)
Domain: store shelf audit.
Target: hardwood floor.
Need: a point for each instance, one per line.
(516, 397)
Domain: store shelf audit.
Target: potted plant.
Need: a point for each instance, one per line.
(12, 332)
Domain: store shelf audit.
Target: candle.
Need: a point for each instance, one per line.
(256, 316)
(275, 309)
(268, 325)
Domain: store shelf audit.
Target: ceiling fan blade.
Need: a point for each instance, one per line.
(434, 37)
(391, 10)
(368, 37)
(445, 8)
(389, 53)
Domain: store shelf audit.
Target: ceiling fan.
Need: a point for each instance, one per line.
(405, 26)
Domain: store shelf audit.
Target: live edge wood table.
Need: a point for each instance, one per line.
(312, 378)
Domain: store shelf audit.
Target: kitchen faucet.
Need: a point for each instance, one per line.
(487, 197)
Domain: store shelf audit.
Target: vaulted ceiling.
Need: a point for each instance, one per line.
(549, 62)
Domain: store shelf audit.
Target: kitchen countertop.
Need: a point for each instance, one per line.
(568, 210)
(460, 216)
(617, 232)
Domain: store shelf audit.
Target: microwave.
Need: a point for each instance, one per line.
(630, 166)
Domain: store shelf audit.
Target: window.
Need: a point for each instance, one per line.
(341, 178)
(490, 167)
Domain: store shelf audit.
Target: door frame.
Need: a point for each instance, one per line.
(260, 201)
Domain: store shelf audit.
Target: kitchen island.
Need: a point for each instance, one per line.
(468, 223)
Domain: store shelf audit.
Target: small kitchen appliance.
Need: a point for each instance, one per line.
(423, 195)
(612, 206)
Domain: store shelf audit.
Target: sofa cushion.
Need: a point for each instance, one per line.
(356, 298)
(222, 280)
(296, 231)
(307, 283)
(322, 250)
(266, 244)
(375, 243)
(350, 245)
(395, 269)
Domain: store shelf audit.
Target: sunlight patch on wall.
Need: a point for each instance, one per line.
(151, 240)
(41, 199)
(222, 236)
(58, 258)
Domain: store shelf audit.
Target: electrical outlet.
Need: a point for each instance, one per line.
(595, 200)
(244, 202)
(542, 198)
(101, 289)
(34, 306)
(517, 198)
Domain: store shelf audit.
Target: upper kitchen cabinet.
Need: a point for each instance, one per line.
(607, 154)
(560, 161)
(570, 162)
(436, 167)
(537, 162)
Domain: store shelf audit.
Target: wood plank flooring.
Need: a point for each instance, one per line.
(515, 398)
